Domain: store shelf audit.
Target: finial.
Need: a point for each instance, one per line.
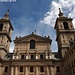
(35, 31)
(32, 32)
(59, 10)
(60, 13)
(7, 14)
(48, 36)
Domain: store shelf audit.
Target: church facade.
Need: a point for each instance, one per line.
(32, 54)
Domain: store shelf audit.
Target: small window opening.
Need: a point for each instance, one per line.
(58, 69)
(22, 56)
(63, 41)
(41, 56)
(1, 26)
(41, 69)
(1, 42)
(21, 69)
(55, 55)
(65, 52)
(6, 69)
(31, 69)
(65, 25)
(32, 56)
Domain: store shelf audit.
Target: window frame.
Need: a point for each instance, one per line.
(32, 44)
(41, 56)
(66, 27)
(21, 69)
(32, 56)
(42, 69)
(57, 68)
(6, 69)
(31, 69)
(22, 56)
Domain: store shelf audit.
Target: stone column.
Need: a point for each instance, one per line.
(50, 57)
(11, 70)
(3, 68)
(47, 69)
(13, 57)
(46, 57)
(36, 56)
(16, 70)
(27, 56)
(26, 70)
(17, 57)
(37, 72)
(51, 70)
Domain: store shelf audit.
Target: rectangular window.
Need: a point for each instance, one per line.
(31, 69)
(21, 69)
(32, 44)
(41, 69)
(1, 26)
(58, 69)
(32, 57)
(6, 69)
(22, 56)
(41, 56)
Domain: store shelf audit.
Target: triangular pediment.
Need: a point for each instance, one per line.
(32, 36)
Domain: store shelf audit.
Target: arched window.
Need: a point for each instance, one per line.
(65, 25)
(32, 44)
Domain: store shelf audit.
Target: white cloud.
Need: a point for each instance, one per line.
(11, 47)
(49, 18)
(67, 5)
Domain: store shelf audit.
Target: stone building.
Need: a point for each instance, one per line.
(32, 54)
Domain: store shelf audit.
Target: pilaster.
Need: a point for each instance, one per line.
(26, 70)
(47, 69)
(37, 72)
(16, 70)
(51, 70)
(12, 70)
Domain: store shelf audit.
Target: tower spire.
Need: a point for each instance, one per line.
(7, 14)
(60, 13)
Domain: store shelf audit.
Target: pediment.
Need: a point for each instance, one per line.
(32, 36)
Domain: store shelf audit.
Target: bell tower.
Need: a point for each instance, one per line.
(64, 33)
(5, 34)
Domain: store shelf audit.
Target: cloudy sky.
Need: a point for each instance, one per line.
(40, 15)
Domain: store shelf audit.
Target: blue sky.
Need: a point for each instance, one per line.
(40, 15)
